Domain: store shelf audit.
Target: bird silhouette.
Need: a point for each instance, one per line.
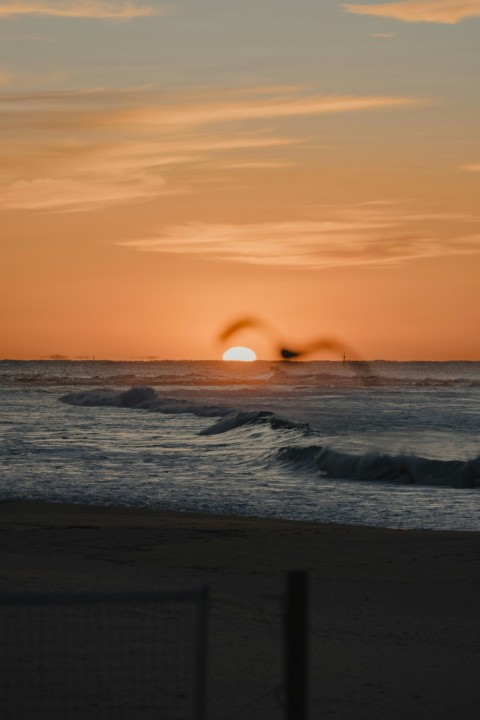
(286, 352)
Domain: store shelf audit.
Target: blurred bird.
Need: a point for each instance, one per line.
(289, 353)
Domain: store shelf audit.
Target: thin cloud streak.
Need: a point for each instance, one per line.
(6, 78)
(18, 79)
(260, 164)
(371, 238)
(250, 110)
(76, 194)
(471, 168)
(73, 177)
(117, 110)
(447, 12)
(94, 9)
(95, 148)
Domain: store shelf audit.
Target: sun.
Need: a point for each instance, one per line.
(243, 354)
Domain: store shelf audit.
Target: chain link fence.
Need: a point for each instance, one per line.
(103, 656)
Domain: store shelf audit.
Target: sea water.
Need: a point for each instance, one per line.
(382, 444)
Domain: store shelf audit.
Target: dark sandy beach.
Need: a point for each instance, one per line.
(394, 627)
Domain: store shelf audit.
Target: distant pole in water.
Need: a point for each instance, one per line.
(344, 358)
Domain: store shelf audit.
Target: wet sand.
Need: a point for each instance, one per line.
(394, 615)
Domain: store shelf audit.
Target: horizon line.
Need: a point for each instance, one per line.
(220, 360)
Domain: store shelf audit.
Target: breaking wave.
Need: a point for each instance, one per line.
(402, 469)
(142, 398)
(255, 417)
(321, 460)
(146, 398)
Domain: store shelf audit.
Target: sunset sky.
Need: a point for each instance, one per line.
(168, 168)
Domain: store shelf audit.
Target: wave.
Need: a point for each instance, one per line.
(142, 398)
(403, 469)
(146, 398)
(256, 417)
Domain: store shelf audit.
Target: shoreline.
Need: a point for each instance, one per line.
(393, 614)
(19, 508)
(25, 508)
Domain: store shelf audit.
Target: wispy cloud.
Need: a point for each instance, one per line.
(375, 236)
(120, 111)
(98, 9)
(256, 109)
(95, 148)
(79, 176)
(25, 79)
(265, 164)
(475, 167)
(5, 78)
(434, 11)
(75, 194)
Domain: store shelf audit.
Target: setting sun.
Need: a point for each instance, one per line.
(243, 354)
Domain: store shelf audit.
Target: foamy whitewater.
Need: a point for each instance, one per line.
(385, 444)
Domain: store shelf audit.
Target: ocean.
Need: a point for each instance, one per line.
(389, 444)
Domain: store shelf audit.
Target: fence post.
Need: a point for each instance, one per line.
(296, 647)
(201, 660)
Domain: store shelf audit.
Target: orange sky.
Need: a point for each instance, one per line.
(163, 175)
